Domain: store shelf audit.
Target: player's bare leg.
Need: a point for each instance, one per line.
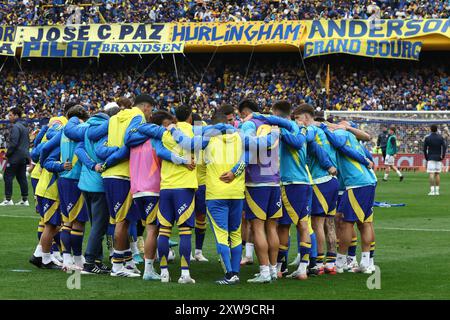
(150, 252)
(46, 244)
(247, 237)
(273, 241)
(262, 249)
(330, 239)
(367, 237)
(345, 237)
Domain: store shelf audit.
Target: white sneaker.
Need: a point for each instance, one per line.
(432, 193)
(436, 193)
(296, 261)
(370, 269)
(23, 203)
(7, 203)
(133, 269)
(259, 278)
(341, 269)
(57, 256)
(200, 257)
(352, 264)
(165, 278)
(186, 280)
(56, 260)
(124, 272)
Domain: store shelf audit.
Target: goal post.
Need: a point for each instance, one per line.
(411, 129)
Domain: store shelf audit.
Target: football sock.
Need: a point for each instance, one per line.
(320, 259)
(352, 248)
(398, 173)
(128, 259)
(282, 250)
(273, 269)
(372, 252)
(149, 265)
(185, 248)
(46, 257)
(163, 248)
(76, 241)
(386, 176)
(365, 259)
(264, 271)
(436, 189)
(57, 242)
(40, 229)
(305, 252)
(117, 260)
(134, 247)
(200, 230)
(249, 248)
(341, 260)
(38, 251)
(66, 240)
(331, 259)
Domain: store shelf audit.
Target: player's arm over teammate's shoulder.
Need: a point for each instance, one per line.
(74, 131)
(138, 132)
(102, 150)
(165, 154)
(82, 155)
(95, 133)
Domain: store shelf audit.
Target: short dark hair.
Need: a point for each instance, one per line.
(159, 116)
(69, 105)
(124, 102)
(196, 117)
(304, 108)
(219, 117)
(16, 111)
(319, 116)
(283, 106)
(112, 111)
(392, 128)
(248, 103)
(226, 109)
(433, 128)
(79, 112)
(144, 98)
(183, 112)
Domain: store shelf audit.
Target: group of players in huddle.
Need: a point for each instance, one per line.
(252, 179)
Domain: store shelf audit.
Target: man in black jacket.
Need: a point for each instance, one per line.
(434, 149)
(17, 155)
(382, 141)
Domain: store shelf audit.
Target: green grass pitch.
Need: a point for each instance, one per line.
(413, 246)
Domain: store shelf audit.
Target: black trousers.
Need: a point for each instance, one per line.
(19, 171)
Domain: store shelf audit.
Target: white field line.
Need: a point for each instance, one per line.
(413, 229)
(13, 216)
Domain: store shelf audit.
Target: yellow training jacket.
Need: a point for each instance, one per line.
(117, 126)
(221, 155)
(174, 176)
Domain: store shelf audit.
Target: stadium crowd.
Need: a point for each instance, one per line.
(57, 12)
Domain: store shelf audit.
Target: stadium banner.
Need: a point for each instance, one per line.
(393, 49)
(389, 38)
(251, 33)
(114, 33)
(7, 40)
(86, 49)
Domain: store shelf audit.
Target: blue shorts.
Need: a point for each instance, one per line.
(324, 198)
(176, 206)
(225, 217)
(120, 201)
(49, 211)
(200, 201)
(148, 207)
(296, 203)
(357, 204)
(263, 203)
(71, 199)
